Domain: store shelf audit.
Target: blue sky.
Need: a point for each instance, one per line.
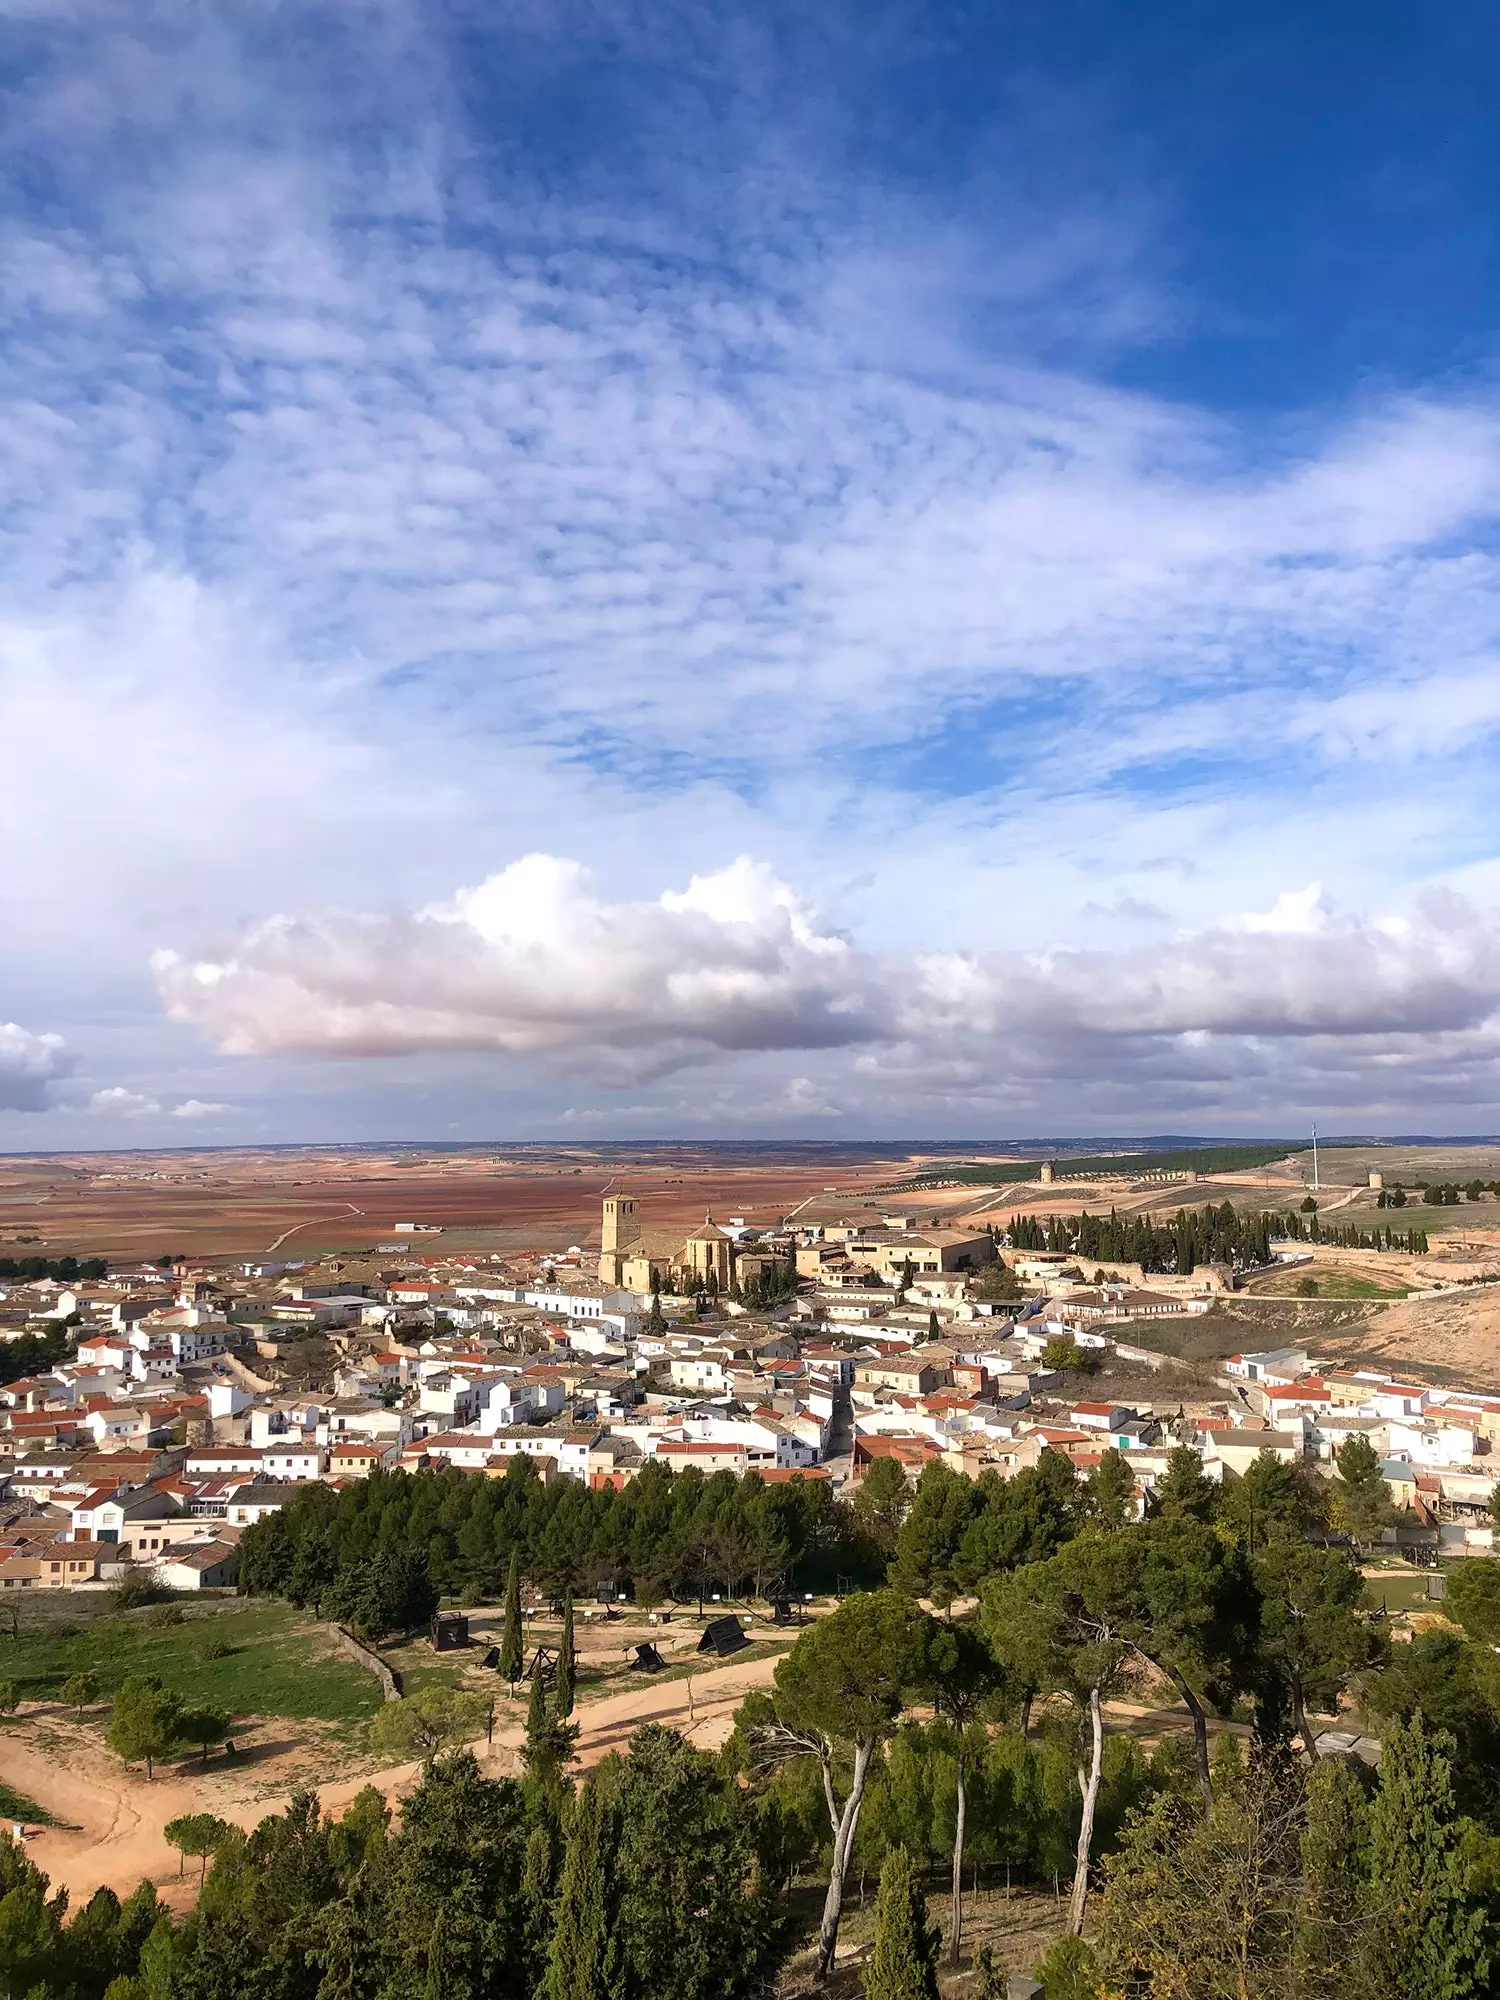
(814, 570)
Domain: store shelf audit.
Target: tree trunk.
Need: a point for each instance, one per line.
(1200, 1740)
(1090, 1787)
(1304, 1727)
(958, 1866)
(1026, 1713)
(843, 1842)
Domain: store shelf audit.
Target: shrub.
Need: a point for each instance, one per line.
(139, 1588)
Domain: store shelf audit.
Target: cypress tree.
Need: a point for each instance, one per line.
(538, 1880)
(536, 1715)
(511, 1642)
(584, 1962)
(549, 1741)
(1426, 1936)
(903, 1964)
(567, 1664)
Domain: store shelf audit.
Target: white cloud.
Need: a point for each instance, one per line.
(195, 1107)
(29, 1065)
(118, 1102)
(533, 962)
(1295, 913)
(464, 515)
(803, 1098)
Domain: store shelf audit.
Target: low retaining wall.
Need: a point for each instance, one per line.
(389, 1679)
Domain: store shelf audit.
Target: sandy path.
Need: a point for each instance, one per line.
(113, 1836)
(310, 1223)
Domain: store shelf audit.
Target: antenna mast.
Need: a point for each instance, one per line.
(1315, 1156)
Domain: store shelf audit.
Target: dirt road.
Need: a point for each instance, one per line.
(114, 1819)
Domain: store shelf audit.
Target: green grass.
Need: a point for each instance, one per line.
(1399, 1593)
(278, 1663)
(15, 1805)
(420, 1667)
(1331, 1284)
(1416, 1215)
(1337, 1286)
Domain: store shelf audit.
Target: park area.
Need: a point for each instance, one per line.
(299, 1713)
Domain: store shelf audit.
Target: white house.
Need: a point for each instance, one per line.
(1440, 1443)
(204, 1566)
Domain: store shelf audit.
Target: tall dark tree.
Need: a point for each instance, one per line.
(584, 1960)
(1361, 1499)
(1186, 1601)
(512, 1639)
(931, 1537)
(567, 1664)
(1110, 1489)
(452, 1915)
(692, 1921)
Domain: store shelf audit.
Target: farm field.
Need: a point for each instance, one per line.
(308, 1202)
(292, 1203)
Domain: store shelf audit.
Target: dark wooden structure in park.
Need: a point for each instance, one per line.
(723, 1636)
(450, 1631)
(543, 1666)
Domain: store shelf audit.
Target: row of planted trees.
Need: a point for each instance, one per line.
(663, 1534)
(1181, 1243)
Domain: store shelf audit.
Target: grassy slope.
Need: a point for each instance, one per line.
(278, 1663)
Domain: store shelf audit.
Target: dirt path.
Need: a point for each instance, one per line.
(114, 1819)
(310, 1223)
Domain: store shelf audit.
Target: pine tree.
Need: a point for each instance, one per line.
(511, 1642)
(567, 1665)
(903, 1964)
(1426, 1936)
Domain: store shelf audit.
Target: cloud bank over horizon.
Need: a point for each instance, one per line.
(885, 451)
(531, 964)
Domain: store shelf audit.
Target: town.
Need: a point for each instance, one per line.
(181, 1402)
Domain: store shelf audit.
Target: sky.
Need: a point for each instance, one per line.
(595, 570)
